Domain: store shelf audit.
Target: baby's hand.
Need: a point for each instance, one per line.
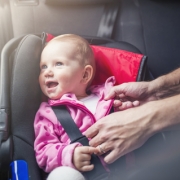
(82, 158)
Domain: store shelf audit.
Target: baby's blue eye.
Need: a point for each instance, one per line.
(59, 64)
(43, 67)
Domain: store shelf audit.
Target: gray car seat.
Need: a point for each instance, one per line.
(21, 96)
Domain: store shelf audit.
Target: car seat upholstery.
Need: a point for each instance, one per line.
(21, 97)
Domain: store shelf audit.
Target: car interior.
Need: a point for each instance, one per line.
(148, 27)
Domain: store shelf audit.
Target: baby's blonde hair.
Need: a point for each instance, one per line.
(83, 52)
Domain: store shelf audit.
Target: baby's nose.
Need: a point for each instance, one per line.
(49, 73)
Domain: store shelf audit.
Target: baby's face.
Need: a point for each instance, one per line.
(60, 71)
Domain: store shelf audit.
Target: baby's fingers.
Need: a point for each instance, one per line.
(87, 167)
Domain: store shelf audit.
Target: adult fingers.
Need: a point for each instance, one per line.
(114, 91)
(98, 139)
(117, 103)
(112, 156)
(93, 150)
(128, 104)
(136, 103)
(104, 148)
(103, 128)
(121, 96)
(92, 131)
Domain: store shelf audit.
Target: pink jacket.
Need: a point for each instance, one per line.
(52, 144)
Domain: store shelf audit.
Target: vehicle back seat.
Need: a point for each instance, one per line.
(19, 17)
(57, 16)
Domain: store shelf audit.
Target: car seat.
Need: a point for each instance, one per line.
(20, 97)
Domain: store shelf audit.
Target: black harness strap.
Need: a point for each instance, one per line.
(69, 125)
(62, 114)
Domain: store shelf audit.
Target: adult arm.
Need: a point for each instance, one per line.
(135, 93)
(124, 131)
(167, 85)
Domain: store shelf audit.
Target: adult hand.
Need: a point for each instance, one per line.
(82, 158)
(123, 131)
(131, 94)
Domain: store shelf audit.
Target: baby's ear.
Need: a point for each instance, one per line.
(88, 74)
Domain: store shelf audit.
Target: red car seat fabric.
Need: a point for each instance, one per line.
(124, 65)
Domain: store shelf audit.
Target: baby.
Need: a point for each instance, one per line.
(67, 68)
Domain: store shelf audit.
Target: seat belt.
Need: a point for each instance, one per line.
(108, 19)
(75, 135)
(69, 125)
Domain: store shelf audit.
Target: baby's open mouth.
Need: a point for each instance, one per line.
(51, 84)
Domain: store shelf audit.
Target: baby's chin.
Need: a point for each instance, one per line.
(54, 97)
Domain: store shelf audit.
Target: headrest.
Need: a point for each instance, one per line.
(124, 65)
(78, 2)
